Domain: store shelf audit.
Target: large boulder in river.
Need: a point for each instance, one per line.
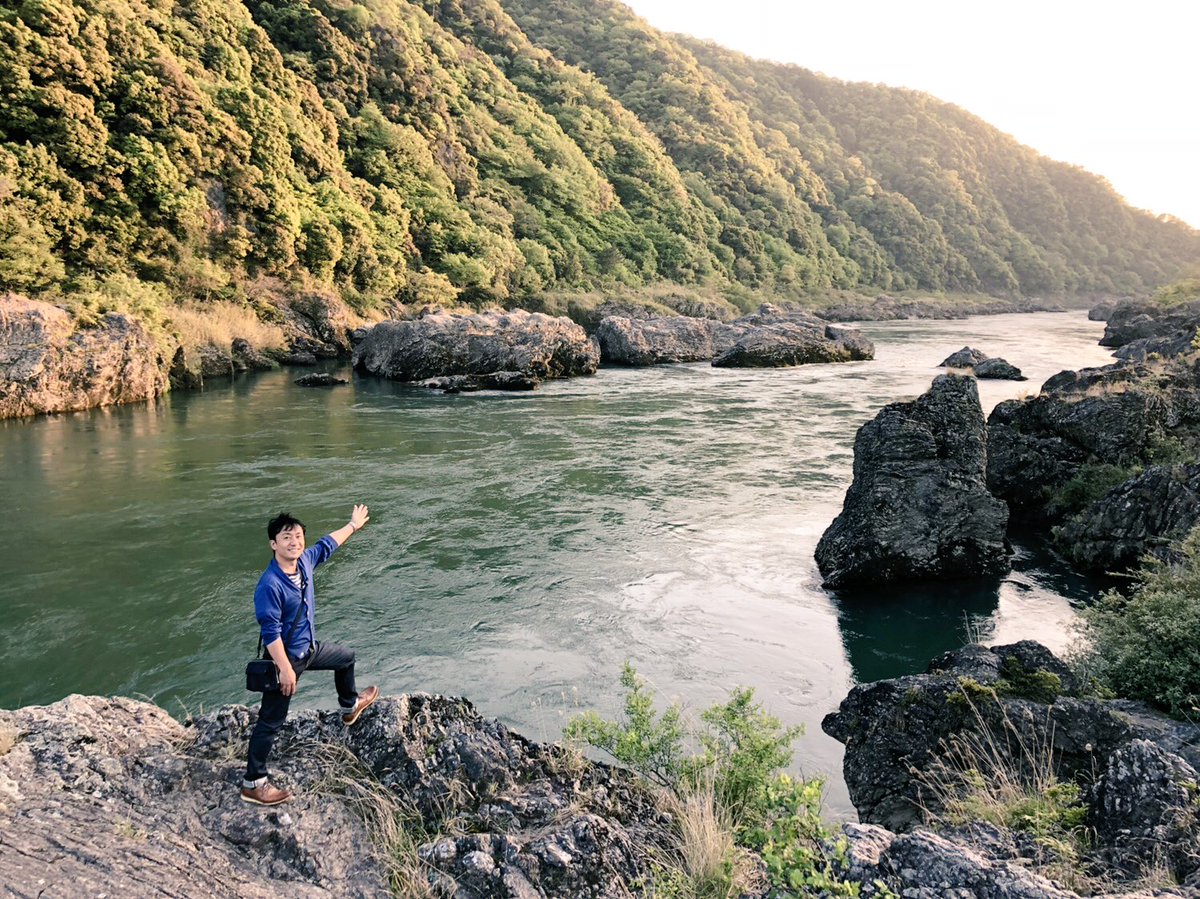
(1146, 515)
(785, 344)
(49, 362)
(625, 340)
(440, 344)
(998, 370)
(768, 338)
(964, 358)
(918, 507)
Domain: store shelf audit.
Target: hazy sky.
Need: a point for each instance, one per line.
(1110, 87)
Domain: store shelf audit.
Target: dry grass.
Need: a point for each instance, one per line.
(1008, 780)
(217, 324)
(394, 826)
(707, 863)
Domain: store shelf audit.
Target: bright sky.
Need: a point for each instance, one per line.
(1112, 87)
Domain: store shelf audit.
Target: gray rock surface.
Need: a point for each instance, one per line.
(112, 796)
(1120, 415)
(1146, 515)
(1178, 343)
(771, 337)
(998, 369)
(658, 341)
(319, 379)
(497, 380)
(247, 358)
(1133, 320)
(888, 308)
(895, 729)
(48, 363)
(967, 357)
(1101, 310)
(316, 323)
(918, 507)
(437, 345)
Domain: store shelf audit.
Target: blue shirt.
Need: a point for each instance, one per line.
(277, 599)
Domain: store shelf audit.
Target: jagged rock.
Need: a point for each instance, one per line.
(895, 729)
(998, 369)
(1146, 515)
(496, 380)
(125, 800)
(438, 345)
(781, 345)
(925, 865)
(1178, 343)
(1144, 808)
(658, 341)
(49, 363)
(918, 507)
(247, 358)
(1140, 319)
(319, 379)
(964, 358)
(1118, 415)
(590, 318)
(769, 337)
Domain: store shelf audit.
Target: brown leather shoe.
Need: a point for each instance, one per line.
(365, 698)
(265, 794)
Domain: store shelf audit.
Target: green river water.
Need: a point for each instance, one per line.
(521, 546)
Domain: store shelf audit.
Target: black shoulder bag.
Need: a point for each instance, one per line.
(261, 675)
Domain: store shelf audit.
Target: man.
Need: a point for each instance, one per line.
(284, 605)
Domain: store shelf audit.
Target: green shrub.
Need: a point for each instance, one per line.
(1090, 483)
(1144, 646)
(743, 752)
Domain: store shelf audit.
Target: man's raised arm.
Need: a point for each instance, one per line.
(358, 518)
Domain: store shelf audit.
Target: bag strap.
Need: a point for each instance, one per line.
(295, 621)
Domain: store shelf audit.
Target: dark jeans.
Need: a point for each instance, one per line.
(273, 712)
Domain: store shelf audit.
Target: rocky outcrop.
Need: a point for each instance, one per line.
(113, 796)
(982, 365)
(1021, 702)
(1146, 515)
(659, 341)
(786, 344)
(319, 379)
(316, 323)
(918, 507)
(769, 338)
(1121, 416)
(497, 380)
(247, 358)
(1178, 343)
(439, 345)
(49, 362)
(998, 369)
(1142, 320)
(964, 358)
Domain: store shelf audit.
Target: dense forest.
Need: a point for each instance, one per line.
(466, 151)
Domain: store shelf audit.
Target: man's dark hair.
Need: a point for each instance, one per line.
(282, 522)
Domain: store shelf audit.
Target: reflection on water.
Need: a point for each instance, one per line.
(884, 631)
(521, 547)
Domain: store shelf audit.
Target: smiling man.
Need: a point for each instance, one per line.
(284, 602)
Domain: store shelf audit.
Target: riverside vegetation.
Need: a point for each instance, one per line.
(393, 152)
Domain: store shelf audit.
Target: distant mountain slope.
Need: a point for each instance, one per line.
(952, 202)
(458, 150)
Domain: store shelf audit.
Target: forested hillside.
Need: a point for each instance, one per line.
(461, 151)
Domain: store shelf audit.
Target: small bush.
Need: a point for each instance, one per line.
(1090, 483)
(1144, 646)
(746, 802)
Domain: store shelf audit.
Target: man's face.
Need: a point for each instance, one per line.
(288, 544)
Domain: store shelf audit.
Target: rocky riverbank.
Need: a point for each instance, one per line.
(424, 797)
(980, 719)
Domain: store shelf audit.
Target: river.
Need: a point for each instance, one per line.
(521, 546)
